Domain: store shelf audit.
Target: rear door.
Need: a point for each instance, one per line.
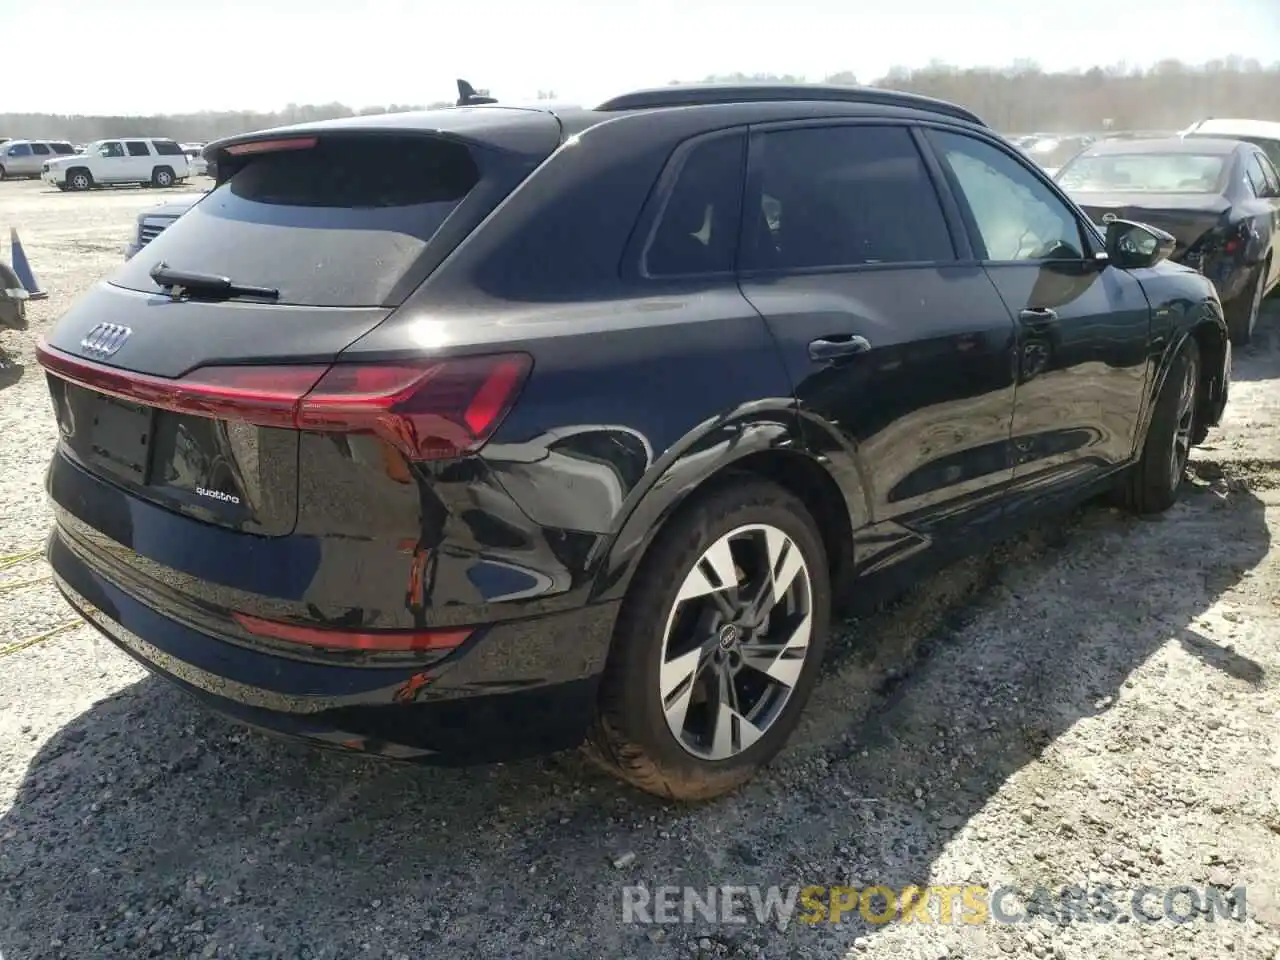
(1083, 327)
(900, 353)
(1266, 206)
(40, 155)
(140, 162)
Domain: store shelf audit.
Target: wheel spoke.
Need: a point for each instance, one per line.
(784, 562)
(781, 661)
(714, 572)
(733, 733)
(677, 681)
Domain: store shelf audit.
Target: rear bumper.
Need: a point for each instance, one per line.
(519, 688)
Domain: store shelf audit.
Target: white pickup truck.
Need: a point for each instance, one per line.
(147, 160)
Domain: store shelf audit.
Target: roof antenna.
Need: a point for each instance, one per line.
(468, 97)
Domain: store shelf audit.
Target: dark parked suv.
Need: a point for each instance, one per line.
(481, 432)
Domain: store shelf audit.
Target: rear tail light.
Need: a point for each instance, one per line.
(428, 409)
(368, 641)
(271, 146)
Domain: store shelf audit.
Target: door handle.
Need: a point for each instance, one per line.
(838, 347)
(1037, 315)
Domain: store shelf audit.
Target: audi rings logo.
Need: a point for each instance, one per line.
(104, 340)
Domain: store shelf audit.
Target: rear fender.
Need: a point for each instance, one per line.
(708, 451)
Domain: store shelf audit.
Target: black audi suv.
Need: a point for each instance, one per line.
(490, 431)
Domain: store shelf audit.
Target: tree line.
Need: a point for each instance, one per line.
(1019, 98)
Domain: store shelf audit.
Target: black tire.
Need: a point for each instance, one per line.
(78, 179)
(163, 177)
(630, 736)
(1242, 312)
(1151, 485)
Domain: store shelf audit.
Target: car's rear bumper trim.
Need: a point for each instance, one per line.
(525, 688)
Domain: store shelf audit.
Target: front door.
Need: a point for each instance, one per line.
(901, 357)
(1083, 326)
(112, 167)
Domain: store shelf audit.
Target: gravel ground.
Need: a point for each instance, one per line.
(1094, 702)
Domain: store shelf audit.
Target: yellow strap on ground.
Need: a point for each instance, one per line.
(40, 637)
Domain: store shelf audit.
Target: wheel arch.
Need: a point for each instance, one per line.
(1206, 325)
(771, 453)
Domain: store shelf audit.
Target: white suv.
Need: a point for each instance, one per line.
(146, 160)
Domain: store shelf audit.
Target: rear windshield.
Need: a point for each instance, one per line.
(338, 224)
(1146, 173)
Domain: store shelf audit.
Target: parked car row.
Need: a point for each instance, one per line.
(153, 161)
(146, 160)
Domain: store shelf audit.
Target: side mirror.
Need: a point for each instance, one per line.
(1131, 245)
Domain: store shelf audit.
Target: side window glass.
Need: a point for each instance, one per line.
(40, 149)
(842, 196)
(20, 150)
(137, 148)
(1272, 178)
(112, 149)
(1017, 217)
(697, 230)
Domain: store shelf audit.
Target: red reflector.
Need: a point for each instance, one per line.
(271, 146)
(1232, 245)
(429, 409)
(385, 641)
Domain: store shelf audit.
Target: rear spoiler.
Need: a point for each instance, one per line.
(469, 97)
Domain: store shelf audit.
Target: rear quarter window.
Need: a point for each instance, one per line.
(338, 224)
(698, 228)
(167, 148)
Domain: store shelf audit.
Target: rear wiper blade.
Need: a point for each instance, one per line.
(178, 282)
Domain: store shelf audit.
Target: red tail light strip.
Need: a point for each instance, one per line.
(387, 641)
(428, 409)
(271, 146)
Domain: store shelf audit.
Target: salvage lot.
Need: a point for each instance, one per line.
(1094, 702)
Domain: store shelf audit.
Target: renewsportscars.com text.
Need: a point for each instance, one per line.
(935, 904)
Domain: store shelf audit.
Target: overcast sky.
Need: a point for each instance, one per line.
(149, 56)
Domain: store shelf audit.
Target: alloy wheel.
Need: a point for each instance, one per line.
(736, 641)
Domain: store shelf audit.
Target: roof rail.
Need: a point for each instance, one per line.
(468, 97)
(688, 95)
